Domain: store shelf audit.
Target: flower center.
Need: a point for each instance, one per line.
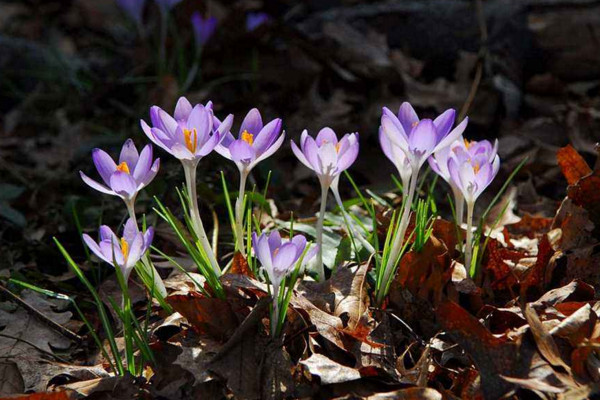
(191, 139)
(468, 144)
(123, 167)
(476, 168)
(415, 123)
(248, 137)
(337, 147)
(124, 248)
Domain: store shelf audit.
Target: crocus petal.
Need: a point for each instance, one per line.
(394, 119)
(271, 150)
(209, 145)
(453, 135)
(300, 242)
(394, 133)
(181, 152)
(444, 122)
(130, 230)
(299, 155)
(144, 163)
(104, 164)
(112, 252)
(261, 247)
(163, 121)
(252, 122)
(327, 158)
(274, 240)
(224, 129)
(241, 151)
(123, 184)
(93, 246)
(129, 155)
(267, 135)
(455, 175)
(135, 250)
(201, 120)
(326, 135)
(311, 151)
(148, 237)
(150, 174)
(423, 138)
(284, 258)
(407, 116)
(106, 234)
(182, 109)
(95, 185)
(347, 158)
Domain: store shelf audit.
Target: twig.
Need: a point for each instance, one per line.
(41, 317)
(32, 345)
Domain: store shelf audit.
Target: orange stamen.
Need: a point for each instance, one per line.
(124, 248)
(337, 147)
(476, 168)
(415, 123)
(247, 137)
(468, 144)
(191, 139)
(123, 167)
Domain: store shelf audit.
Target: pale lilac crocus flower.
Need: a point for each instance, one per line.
(256, 19)
(255, 143)
(278, 258)
(126, 251)
(133, 8)
(134, 172)
(328, 157)
(189, 135)
(439, 164)
(418, 139)
(472, 172)
(397, 156)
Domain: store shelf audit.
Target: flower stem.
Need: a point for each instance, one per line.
(239, 214)
(469, 240)
(459, 205)
(320, 267)
(350, 222)
(150, 269)
(190, 180)
(399, 238)
(275, 311)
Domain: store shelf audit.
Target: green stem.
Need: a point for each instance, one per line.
(239, 214)
(190, 180)
(320, 267)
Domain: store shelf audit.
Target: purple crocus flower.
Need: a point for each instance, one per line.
(134, 171)
(255, 143)
(203, 28)
(189, 134)
(472, 171)
(419, 138)
(397, 156)
(134, 8)
(256, 19)
(125, 251)
(325, 155)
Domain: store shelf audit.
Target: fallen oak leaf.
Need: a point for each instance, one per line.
(544, 341)
(240, 265)
(329, 371)
(572, 165)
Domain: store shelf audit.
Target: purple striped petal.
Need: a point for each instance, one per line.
(252, 122)
(182, 109)
(104, 163)
(123, 184)
(95, 185)
(129, 154)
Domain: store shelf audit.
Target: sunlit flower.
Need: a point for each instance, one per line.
(419, 138)
(256, 19)
(203, 28)
(189, 134)
(125, 251)
(473, 170)
(134, 171)
(278, 257)
(134, 8)
(397, 156)
(255, 142)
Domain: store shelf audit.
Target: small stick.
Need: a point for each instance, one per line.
(41, 317)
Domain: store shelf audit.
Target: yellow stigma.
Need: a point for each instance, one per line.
(337, 147)
(191, 138)
(476, 168)
(123, 167)
(248, 137)
(124, 248)
(468, 144)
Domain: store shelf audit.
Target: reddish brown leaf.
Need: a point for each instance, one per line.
(530, 226)
(206, 314)
(62, 395)
(494, 263)
(240, 265)
(545, 343)
(535, 275)
(572, 165)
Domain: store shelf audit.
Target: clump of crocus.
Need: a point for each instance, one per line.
(328, 157)
(439, 164)
(418, 139)
(255, 143)
(134, 172)
(471, 171)
(189, 136)
(126, 251)
(280, 259)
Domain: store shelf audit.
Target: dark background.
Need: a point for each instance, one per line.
(75, 75)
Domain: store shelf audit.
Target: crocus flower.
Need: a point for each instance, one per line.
(203, 28)
(256, 19)
(472, 170)
(439, 164)
(328, 157)
(188, 136)
(397, 156)
(134, 171)
(278, 258)
(125, 251)
(255, 143)
(134, 8)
